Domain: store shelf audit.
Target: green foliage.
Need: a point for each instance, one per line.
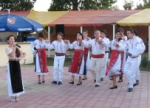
(128, 5)
(61, 5)
(144, 61)
(16, 5)
(145, 5)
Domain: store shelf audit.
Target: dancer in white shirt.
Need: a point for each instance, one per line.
(38, 49)
(86, 54)
(137, 72)
(116, 59)
(96, 63)
(76, 67)
(134, 50)
(103, 36)
(124, 38)
(60, 46)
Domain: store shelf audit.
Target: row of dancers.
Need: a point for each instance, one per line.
(89, 55)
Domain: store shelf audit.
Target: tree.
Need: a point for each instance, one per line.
(128, 5)
(60, 5)
(146, 4)
(17, 5)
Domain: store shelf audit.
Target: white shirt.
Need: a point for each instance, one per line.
(107, 44)
(142, 44)
(96, 47)
(75, 45)
(38, 44)
(121, 45)
(59, 47)
(134, 46)
(124, 38)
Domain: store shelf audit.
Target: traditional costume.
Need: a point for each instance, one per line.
(97, 59)
(59, 58)
(38, 49)
(134, 50)
(86, 58)
(137, 72)
(106, 55)
(14, 78)
(76, 67)
(116, 58)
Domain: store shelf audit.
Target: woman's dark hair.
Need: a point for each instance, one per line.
(17, 49)
(119, 38)
(117, 32)
(135, 32)
(40, 35)
(60, 33)
(121, 29)
(9, 38)
(132, 31)
(85, 31)
(104, 31)
(80, 34)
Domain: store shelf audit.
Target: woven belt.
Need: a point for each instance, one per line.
(98, 56)
(106, 51)
(59, 54)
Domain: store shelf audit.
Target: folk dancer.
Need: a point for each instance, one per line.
(116, 59)
(137, 72)
(14, 78)
(106, 55)
(38, 49)
(77, 64)
(134, 50)
(86, 54)
(124, 38)
(60, 46)
(97, 58)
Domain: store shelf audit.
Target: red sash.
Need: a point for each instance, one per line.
(113, 58)
(76, 61)
(98, 56)
(42, 60)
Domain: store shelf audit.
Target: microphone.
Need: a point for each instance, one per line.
(18, 45)
(35, 48)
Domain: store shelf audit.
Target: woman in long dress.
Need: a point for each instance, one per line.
(38, 49)
(116, 59)
(77, 64)
(14, 78)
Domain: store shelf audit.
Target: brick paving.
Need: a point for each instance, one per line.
(72, 96)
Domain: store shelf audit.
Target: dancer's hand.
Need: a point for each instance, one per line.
(47, 41)
(66, 41)
(100, 41)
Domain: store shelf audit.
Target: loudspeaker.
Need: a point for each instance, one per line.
(60, 28)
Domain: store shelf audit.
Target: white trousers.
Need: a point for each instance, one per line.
(95, 67)
(58, 68)
(129, 70)
(137, 72)
(104, 65)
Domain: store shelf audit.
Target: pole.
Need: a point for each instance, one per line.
(81, 29)
(149, 43)
(114, 27)
(49, 32)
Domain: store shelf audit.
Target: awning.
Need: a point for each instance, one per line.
(45, 18)
(20, 13)
(141, 18)
(92, 18)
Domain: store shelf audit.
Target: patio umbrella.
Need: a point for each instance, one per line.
(15, 23)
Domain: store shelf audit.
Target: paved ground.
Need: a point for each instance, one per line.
(72, 96)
